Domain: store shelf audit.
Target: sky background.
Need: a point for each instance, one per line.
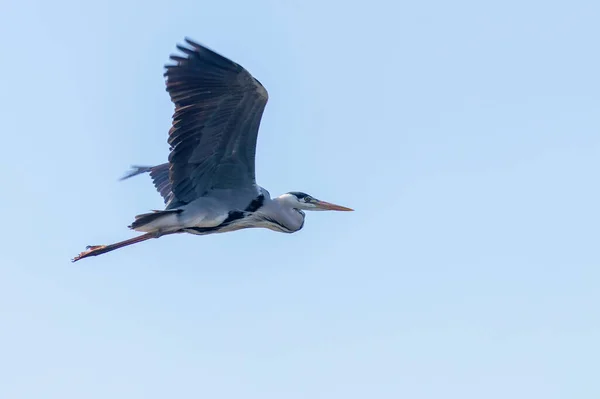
(466, 135)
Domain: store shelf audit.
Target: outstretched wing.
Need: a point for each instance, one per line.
(218, 109)
(160, 178)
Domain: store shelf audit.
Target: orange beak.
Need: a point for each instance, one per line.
(331, 207)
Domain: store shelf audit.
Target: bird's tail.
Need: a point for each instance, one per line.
(155, 221)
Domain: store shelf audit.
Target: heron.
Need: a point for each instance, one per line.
(208, 184)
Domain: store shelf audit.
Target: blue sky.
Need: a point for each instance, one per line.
(465, 134)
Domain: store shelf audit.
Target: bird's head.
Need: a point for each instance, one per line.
(307, 202)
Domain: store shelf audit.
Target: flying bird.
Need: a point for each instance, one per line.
(208, 184)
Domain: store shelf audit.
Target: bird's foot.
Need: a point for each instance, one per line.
(91, 250)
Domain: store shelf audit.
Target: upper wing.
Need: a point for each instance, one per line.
(218, 108)
(160, 178)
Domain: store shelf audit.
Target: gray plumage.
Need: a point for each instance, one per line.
(209, 183)
(160, 178)
(218, 108)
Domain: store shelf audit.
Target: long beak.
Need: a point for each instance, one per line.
(331, 207)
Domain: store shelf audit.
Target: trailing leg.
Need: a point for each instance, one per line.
(95, 250)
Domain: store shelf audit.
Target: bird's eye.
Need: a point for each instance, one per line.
(307, 199)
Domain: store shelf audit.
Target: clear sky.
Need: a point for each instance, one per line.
(466, 135)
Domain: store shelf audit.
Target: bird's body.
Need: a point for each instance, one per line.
(208, 184)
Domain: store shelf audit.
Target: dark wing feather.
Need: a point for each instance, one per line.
(218, 109)
(160, 178)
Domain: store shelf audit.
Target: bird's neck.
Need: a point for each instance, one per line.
(281, 216)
